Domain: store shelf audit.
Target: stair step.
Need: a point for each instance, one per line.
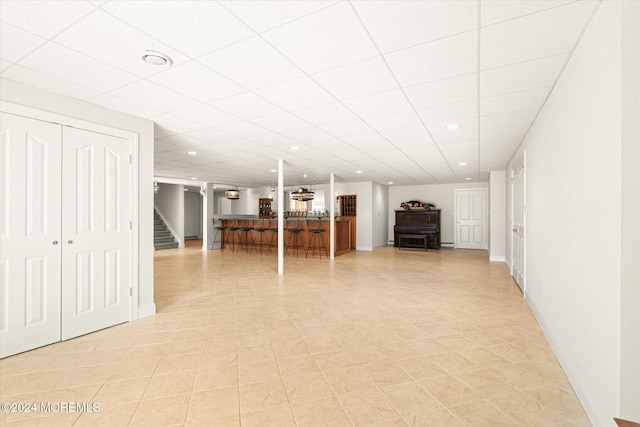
(166, 246)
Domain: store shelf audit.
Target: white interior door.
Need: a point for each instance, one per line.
(30, 248)
(471, 219)
(518, 223)
(95, 229)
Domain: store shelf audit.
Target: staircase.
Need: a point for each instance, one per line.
(162, 237)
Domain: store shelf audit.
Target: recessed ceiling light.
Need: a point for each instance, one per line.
(193, 177)
(156, 58)
(390, 183)
(304, 175)
(462, 164)
(273, 170)
(453, 126)
(358, 171)
(294, 148)
(468, 179)
(192, 153)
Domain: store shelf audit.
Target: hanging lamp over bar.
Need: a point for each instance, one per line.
(302, 194)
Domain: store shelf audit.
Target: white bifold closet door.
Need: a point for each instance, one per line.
(65, 233)
(30, 229)
(95, 230)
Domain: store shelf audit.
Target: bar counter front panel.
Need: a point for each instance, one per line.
(343, 233)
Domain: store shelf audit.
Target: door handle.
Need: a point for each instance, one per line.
(55, 242)
(70, 242)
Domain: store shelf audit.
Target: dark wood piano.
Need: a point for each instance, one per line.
(417, 223)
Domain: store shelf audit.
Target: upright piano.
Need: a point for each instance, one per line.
(417, 222)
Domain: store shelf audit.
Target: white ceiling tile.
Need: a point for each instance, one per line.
(511, 119)
(4, 65)
(167, 124)
(456, 137)
(16, 43)
(107, 39)
(366, 140)
(273, 139)
(418, 21)
(152, 95)
(296, 94)
(50, 83)
(123, 105)
(45, 18)
(392, 101)
(161, 146)
(403, 119)
(460, 147)
(524, 76)
(325, 39)
(209, 135)
(451, 113)
(498, 136)
(333, 112)
(440, 59)
(261, 15)
(197, 81)
(346, 128)
(206, 115)
(492, 11)
(282, 122)
(247, 105)
(442, 92)
(66, 64)
(310, 135)
(244, 129)
(357, 79)
(241, 144)
(514, 101)
(253, 63)
(542, 34)
(406, 133)
(193, 27)
(425, 143)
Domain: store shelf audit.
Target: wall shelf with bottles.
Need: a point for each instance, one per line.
(264, 208)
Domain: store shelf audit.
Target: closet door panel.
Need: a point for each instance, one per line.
(30, 230)
(97, 239)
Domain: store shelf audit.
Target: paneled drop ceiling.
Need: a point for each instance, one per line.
(357, 85)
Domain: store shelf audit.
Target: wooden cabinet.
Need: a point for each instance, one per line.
(348, 209)
(417, 222)
(264, 208)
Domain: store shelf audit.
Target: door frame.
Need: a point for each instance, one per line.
(520, 159)
(455, 213)
(133, 138)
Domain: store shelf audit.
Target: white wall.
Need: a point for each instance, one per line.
(170, 202)
(497, 215)
(25, 95)
(442, 195)
(380, 215)
(573, 245)
(630, 272)
(192, 214)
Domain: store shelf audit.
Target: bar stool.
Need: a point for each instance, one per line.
(245, 227)
(293, 227)
(316, 239)
(219, 229)
(273, 240)
(260, 228)
(231, 235)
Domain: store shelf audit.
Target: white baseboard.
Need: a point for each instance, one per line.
(146, 310)
(447, 245)
(565, 363)
(497, 259)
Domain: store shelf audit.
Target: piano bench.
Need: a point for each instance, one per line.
(423, 237)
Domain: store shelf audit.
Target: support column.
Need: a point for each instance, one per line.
(207, 217)
(280, 217)
(332, 216)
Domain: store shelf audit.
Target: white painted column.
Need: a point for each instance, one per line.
(280, 217)
(208, 231)
(332, 216)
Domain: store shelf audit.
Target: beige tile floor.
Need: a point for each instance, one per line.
(383, 338)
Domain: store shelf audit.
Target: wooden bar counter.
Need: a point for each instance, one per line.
(342, 232)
